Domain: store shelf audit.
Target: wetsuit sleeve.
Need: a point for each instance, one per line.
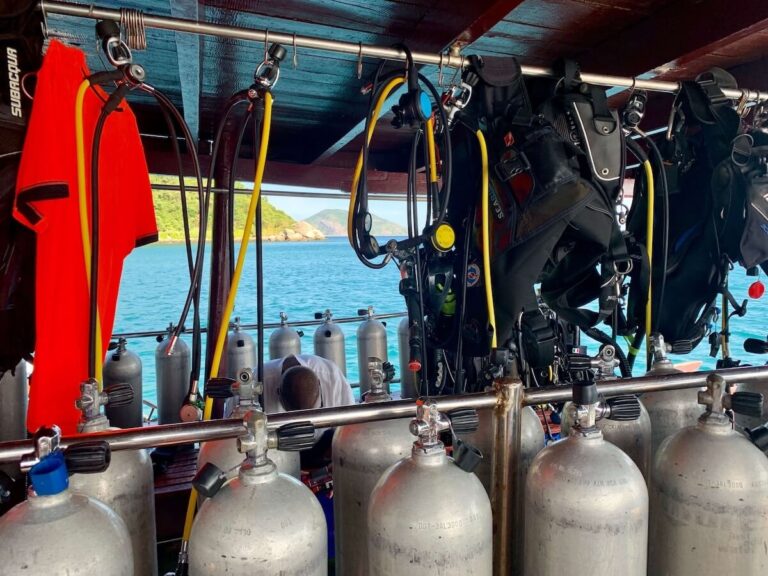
(46, 171)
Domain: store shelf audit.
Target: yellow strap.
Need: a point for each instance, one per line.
(82, 196)
(486, 238)
(391, 85)
(649, 244)
(221, 338)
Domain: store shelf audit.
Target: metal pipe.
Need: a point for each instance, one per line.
(640, 384)
(505, 476)
(348, 320)
(360, 50)
(421, 197)
(185, 433)
(189, 432)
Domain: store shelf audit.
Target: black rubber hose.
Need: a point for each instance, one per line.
(231, 189)
(603, 338)
(258, 119)
(94, 283)
(459, 371)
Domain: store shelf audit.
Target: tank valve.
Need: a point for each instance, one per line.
(428, 425)
(82, 458)
(605, 363)
(717, 400)
(620, 409)
(294, 437)
(246, 387)
(91, 400)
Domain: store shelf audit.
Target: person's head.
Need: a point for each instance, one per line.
(299, 386)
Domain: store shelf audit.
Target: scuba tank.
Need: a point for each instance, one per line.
(284, 341)
(172, 379)
(224, 453)
(329, 341)
(127, 486)
(671, 410)
(57, 530)
(241, 351)
(263, 522)
(13, 403)
(531, 442)
(586, 503)
(429, 507)
(408, 378)
(632, 436)
(709, 494)
(123, 366)
(371, 343)
(361, 454)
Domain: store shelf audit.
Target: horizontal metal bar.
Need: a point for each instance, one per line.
(358, 49)
(189, 432)
(422, 197)
(271, 326)
(640, 384)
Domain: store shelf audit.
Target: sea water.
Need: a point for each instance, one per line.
(302, 278)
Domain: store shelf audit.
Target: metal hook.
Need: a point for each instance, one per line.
(459, 69)
(440, 71)
(360, 61)
(266, 45)
(295, 53)
(632, 88)
(741, 107)
(44, 23)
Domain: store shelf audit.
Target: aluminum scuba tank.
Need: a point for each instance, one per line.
(172, 379)
(241, 351)
(123, 366)
(709, 494)
(263, 522)
(284, 341)
(531, 443)
(329, 341)
(632, 436)
(361, 454)
(127, 486)
(586, 503)
(408, 378)
(224, 453)
(371, 343)
(671, 410)
(426, 507)
(13, 403)
(57, 530)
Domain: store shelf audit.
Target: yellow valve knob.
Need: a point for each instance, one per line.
(444, 237)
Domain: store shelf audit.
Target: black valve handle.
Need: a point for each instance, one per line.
(624, 408)
(759, 437)
(681, 347)
(219, 388)
(89, 457)
(318, 315)
(464, 420)
(362, 311)
(577, 362)
(209, 480)
(747, 403)
(120, 394)
(296, 437)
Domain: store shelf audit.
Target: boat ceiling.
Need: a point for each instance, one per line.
(319, 108)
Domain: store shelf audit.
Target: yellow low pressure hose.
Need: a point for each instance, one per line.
(221, 338)
(431, 151)
(388, 88)
(487, 238)
(649, 244)
(82, 196)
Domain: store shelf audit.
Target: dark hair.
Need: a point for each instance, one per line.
(299, 388)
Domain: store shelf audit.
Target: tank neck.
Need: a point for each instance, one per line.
(97, 424)
(252, 473)
(715, 423)
(433, 455)
(42, 502)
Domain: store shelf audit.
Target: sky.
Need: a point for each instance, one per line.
(301, 208)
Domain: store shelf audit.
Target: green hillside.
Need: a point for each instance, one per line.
(169, 217)
(334, 223)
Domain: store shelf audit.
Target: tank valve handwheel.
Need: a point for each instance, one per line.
(464, 420)
(747, 403)
(219, 388)
(88, 457)
(296, 437)
(623, 408)
(118, 395)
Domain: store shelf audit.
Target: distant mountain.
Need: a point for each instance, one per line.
(334, 223)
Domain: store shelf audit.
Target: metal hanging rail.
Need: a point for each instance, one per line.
(301, 323)
(448, 60)
(421, 196)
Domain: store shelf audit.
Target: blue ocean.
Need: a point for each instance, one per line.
(301, 278)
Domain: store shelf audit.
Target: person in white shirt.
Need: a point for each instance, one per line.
(289, 384)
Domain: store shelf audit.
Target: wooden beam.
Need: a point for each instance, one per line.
(680, 31)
